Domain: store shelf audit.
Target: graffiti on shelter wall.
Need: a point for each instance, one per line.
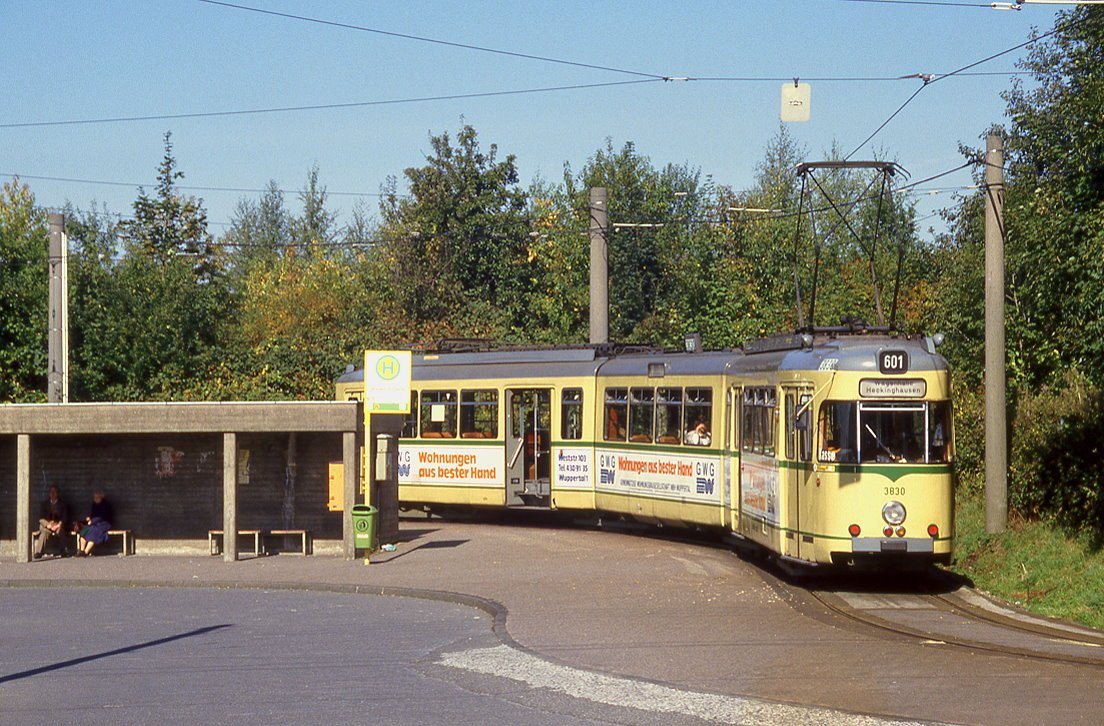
(167, 460)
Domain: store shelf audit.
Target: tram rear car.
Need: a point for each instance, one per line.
(833, 450)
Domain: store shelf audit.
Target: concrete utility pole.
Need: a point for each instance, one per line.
(57, 376)
(599, 266)
(996, 423)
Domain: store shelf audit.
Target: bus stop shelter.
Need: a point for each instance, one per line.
(34, 426)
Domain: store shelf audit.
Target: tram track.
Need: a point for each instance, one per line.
(965, 619)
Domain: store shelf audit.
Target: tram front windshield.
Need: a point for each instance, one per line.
(885, 432)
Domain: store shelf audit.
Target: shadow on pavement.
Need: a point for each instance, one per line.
(109, 653)
(443, 544)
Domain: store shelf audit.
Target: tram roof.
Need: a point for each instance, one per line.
(860, 353)
(840, 352)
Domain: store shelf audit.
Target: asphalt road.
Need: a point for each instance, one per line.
(182, 655)
(211, 656)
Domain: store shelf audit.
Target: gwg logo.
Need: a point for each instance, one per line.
(388, 368)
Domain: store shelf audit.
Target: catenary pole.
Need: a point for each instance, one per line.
(996, 431)
(56, 373)
(599, 266)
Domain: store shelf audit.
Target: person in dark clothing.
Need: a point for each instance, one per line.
(96, 524)
(53, 521)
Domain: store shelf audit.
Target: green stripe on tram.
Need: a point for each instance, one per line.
(814, 535)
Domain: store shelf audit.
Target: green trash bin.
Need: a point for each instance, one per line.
(364, 527)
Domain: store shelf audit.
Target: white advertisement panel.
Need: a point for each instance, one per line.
(660, 474)
(429, 464)
(573, 468)
(759, 488)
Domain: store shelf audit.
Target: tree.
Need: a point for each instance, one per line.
(1054, 204)
(647, 303)
(454, 250)
(93, 253)
(260, 231)
(160, 311)
(24, 295)
(170, 225)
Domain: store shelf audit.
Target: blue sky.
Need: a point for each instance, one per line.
(87, 59)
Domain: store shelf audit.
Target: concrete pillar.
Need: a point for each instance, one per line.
(349, 457)
(23, 498)
(599, 266)
(56, 374)
(229, 497)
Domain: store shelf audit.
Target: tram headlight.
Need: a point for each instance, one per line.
(893, 513)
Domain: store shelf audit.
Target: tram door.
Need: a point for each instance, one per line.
(799, 477)
(528, 447)
(732, 459)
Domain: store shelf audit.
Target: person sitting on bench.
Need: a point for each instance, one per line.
(96, 524)
(53, 521)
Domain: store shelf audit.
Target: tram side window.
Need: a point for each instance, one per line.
(438, 414)
(641, 414)
(799, 434)
(837, 433)
(804, 428)
(571, 414)
(699, 416)
(478, 414)
(410, 420)
(791, 425)
(939, 433)
(616, 414)
(760, 421)
(668, 415)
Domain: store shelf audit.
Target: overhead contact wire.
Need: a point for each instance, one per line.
(356, 104)
(929, 80)
(436, 41)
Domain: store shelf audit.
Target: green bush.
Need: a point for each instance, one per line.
(1057, 450)
(969, 423)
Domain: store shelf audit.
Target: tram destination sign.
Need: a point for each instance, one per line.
(893, 388)
(387, 381)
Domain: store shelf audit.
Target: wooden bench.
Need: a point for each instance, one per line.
(128, 540)
(307, 544)
(126, 535)
(214, 540)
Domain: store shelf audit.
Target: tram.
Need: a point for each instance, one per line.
(826, 448)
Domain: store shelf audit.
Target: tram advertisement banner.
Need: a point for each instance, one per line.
(759, 488)
(454, 465)
(573, 468)
(683, 477)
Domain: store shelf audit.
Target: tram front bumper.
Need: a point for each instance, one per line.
(870, 545)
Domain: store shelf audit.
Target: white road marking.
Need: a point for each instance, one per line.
(506, 662)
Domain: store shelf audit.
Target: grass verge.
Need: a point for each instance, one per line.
(1031, 564)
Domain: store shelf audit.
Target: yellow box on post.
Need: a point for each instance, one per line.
(336, 501)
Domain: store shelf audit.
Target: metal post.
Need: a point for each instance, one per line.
(23, 498)
(349, 459)
(599, 266)
(996, 432)
(56, 370)
(229, 497)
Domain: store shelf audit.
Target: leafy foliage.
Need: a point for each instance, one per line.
(1055, 204)
(1057, 449)
(23, 295)
(454, 250)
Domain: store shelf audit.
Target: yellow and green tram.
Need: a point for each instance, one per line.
(826, 449)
